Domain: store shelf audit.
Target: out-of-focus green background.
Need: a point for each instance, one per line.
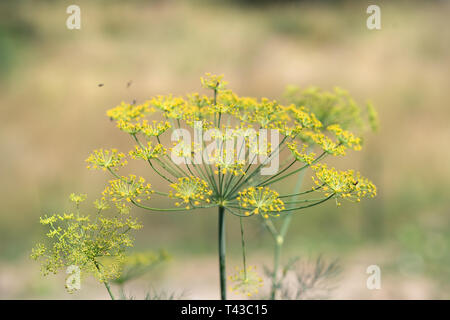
(53, 114)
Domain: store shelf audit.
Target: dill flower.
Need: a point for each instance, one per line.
(345, 137)
(149, 152)
(94, 244)
(260, 200)
(213, 82)
(77, 198)
(155, 129)
(106, 159)
(334, 107)
(129, 188)
(234, 167)
(302, 155)
(304, 117)
(313, 125)
(192, 190)
(343, 184)
(246, 281)
(128, 112)
(325, 143)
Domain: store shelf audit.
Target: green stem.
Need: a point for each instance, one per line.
(279, 240)
(105, 283)
(276, 265)
(243, 248)
(221, 234)
(109, 290)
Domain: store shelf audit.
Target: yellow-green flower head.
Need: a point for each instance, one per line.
(334, 107)
(191, 190)
(343, 184)
(77, 198)
(304, 118)
(199, 102)
(106, 159)
(128, 112)
(149, 152)
(324, 142)
(214, 82)
(184, 149)
(302, 155)
(246, 281)
(172, 107)
(128, 189)
(155, 129)
(260, 200)
(263, 149)
(232, 165)
(94, 245)
(263, 113)
(345, 137)
(101, 204)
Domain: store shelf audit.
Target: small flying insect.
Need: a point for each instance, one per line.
(129, 83)
(100, 84)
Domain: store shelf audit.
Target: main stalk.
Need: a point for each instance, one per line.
(222, 247)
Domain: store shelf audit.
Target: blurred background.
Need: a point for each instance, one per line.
(53, 115)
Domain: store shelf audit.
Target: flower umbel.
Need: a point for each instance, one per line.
(106, 159)
(246, 281)
(129, 188)
(313, 125)
(96, 244)
(343, 184)
(191, 190)
(260, 200)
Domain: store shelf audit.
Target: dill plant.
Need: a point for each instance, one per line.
(228, 180)
(95, 243)
(337, 111)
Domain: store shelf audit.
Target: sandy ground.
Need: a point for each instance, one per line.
(197, 278)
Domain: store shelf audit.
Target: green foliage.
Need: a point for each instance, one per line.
(95, 242)
(335, 107)
(137, 264)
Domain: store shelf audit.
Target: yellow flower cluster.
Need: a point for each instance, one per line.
(77, 198)
(172, 107)
(246, 281)
(96, 246)
(325, 143)
(192, 190)
(149, 152)
(303, 155)
(129, 188)
(213, 82)
(343, 184)
(304, 117)
(154, 129)
(261, 200)
(345, 137)
(127, 112)
(234, 167)
(105, 159)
